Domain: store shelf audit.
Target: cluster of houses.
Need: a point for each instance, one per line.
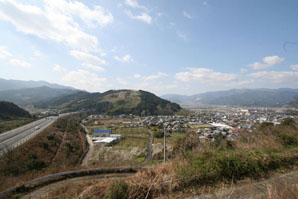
(216, 129)
(226, 122)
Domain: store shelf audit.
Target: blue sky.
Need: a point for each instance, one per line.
(162, 46)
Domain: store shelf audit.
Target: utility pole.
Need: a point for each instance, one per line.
(164, 144)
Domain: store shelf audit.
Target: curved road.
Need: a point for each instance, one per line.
(13, 138)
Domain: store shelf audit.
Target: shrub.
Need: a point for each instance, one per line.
(288, 140)
(288, 122)
(33, 162)
(43, 145)
(50, 137)
(158, 134)
(118, 189)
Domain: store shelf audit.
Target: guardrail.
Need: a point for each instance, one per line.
(71, 174)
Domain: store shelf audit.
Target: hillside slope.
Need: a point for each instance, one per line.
(9, 110)
(114, 102)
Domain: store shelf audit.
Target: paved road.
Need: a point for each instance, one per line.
(13, 138)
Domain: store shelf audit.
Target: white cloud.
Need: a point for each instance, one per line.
(156, 76)
(59, 68)
(205, 3)
(121, 81)
(134, 4)
(243, 70)
(143, 17)
(276, 76)
(87, 58)
(204, 75)
(4, 53)
(97, 16)
(137, 76)
(126, 58)
(21, 63)
(56, 21)
(94, 67)
(269, 61)
(85, 80)
(294, 67)
(187, 15)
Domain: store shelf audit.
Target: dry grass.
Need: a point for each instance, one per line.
(289, 191)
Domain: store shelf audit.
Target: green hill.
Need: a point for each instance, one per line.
(9, 110)
(114, 102)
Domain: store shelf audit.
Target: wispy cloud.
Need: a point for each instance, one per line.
(137, 76)
(20, 63)
(94, 67)
(135, 4)
(126, 58)
(187, 15)
(121, 81)
(276, 76)
(156, 76)
(4, 53)
(294, 67)
(182, 35)
(268, 62)
(142, 17)
(87, 58)
(59, 68)
(204, 75)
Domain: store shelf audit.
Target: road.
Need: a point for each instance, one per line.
(13, 138)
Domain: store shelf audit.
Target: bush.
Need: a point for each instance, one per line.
(288, 122)
(43, 145)
(118, 189)
(33, 162)
(158, 134)
(288, 140)
(214, 166)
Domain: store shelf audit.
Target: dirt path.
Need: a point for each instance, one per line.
(278, 186)
(42, 193)
(90, 151)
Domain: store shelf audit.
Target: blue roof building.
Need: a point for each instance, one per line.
(102, 133)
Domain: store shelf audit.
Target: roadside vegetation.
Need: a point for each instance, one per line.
(7, 125)
(57, 148)
(194, 167)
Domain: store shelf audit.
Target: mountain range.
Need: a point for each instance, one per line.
(29, 96)
(21, 84)
(238, 97)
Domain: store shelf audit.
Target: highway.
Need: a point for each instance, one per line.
(13, 138)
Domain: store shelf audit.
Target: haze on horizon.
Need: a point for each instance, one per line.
(170, 46)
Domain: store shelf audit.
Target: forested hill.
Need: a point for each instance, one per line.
(9, 110)
(114, 102)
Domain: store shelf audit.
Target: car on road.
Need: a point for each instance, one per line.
(37, 127)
